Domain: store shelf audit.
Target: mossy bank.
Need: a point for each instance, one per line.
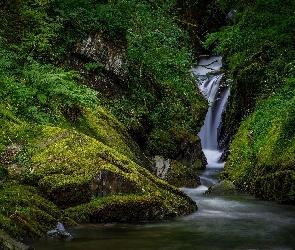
(262, 154)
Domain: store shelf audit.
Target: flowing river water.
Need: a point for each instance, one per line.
(221, 222)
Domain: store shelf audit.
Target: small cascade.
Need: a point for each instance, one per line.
(209, 131)
(209, 85)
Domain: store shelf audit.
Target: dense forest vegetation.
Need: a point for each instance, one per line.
(97, 88)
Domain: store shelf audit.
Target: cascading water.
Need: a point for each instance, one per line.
(209, 84)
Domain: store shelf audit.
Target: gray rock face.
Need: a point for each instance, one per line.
(108, 183)
(111, 55)
(8, 243)
(108, 70)
(162, 167)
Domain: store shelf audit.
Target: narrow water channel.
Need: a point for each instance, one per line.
(221, 222)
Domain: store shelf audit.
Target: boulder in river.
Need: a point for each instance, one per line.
(224, 187)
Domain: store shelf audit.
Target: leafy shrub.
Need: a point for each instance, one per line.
(41, 92)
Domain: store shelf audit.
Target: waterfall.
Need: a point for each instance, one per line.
(209, 84)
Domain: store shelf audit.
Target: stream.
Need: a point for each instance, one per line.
(221, 222)
(235, 222)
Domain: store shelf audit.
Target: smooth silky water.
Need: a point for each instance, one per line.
(235, 222)
(221, 222)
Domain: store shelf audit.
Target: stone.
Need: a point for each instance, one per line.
(191, 154)
(8, 243)
(59, 232)
(109, 183)
(176, 173)
(224, 187)
(110, 58)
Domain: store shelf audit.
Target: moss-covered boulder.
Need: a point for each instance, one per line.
(72, 168)
(89, 170)
(132, 207)
(224, 187)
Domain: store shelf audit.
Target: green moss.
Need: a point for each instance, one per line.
(278, 186)
(106, 128)
(239, 166)
(262, 152)
(154, 206)
(64, 166)
(24, 212)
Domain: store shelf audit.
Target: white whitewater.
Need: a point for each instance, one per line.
(209, 84)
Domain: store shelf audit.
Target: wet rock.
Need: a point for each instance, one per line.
(162, 166)
(59, 232)
(176, 173)
(191, 154)
(224, 187)
(7, 243)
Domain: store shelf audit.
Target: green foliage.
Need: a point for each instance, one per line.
(96, 66)
(160, 90)
(257, 45)
(160, 59)
(41, 92)
(30, 29)
(162, 93)
(79, 18)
